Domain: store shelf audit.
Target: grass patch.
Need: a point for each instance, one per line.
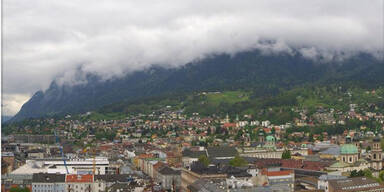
(229, 97)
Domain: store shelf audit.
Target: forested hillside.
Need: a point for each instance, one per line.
(257, 74)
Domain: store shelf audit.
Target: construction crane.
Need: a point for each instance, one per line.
(94, 163)
(93, 153)
(61, 151)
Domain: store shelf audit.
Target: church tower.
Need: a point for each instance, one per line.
(226, 118)
(376, 154)
(356, 142)
(261, 136)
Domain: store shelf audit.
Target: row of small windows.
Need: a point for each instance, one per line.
(51, 186)
(350, 159)
(374, 156)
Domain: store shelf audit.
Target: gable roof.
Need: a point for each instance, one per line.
(114, 178)
(213, 185)
(193, 154)
(221, 151)
(48, 178)
(278, 173)
(355, 184)
(79, 178)
(168, 171)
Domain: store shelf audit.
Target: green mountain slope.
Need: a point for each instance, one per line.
(252, 72)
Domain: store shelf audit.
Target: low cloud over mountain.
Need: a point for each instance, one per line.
(52, 40)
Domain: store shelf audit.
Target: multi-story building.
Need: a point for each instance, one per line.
(75, 166)
(169, 178)
(284, 178)
(191, 156)
(79, 183)
(8, 160)
(322, 182)
(10, 180)
(45, 182)
(103, 182)
(355, 184)
(188, 177)
(199, 171)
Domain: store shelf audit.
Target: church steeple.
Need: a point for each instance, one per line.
(376, 154)
(227, 118)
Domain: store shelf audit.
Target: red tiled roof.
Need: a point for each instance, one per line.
(158, 165)
(143, 156)
(227, 125)
(267, 130)
(79, 178)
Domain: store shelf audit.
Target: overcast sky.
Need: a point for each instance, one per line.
(46, 39)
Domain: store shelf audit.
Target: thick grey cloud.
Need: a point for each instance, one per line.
(46, 40)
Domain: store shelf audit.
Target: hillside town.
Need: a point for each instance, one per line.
(170, 151)
(192, 96)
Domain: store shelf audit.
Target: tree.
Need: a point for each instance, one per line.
(353, 173)
(368, 173)
(311, 139)
(209, 131)
(321, 138)
(360, 173)
(273, 131)
(204, 160)
(286, 154)
(238, 161)
(381, 176)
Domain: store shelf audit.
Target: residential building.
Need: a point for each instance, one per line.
(221, 152)
(322, 182)
(7, 162)
(284, 178)
(79, 183)
(48, 182)
(169, 178)
(75, 166)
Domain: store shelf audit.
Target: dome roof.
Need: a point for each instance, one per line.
(270, 138)
(348, 149)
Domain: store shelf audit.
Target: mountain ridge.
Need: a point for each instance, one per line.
(247, 70)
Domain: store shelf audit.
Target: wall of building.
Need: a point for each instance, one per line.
(48, 187)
